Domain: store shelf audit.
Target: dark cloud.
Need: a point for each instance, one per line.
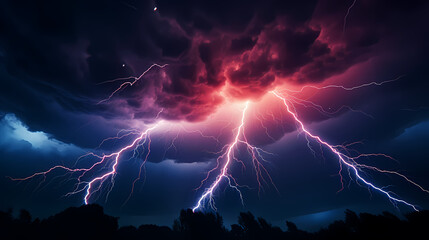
(54, 54)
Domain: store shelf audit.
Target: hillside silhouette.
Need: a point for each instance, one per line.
(90, 222)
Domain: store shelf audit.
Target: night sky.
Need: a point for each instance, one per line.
(61, 62)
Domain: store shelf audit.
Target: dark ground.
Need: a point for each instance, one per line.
(90, 222)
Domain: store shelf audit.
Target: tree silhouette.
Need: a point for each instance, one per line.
(198, 225)
(294, 233)
(90, 222)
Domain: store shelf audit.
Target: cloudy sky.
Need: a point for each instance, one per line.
(61, 63)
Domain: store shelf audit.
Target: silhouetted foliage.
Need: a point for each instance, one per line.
(291, 227)
(90, 222)
(73, 223)
(199, 225)
(24, 216)
(294, 233)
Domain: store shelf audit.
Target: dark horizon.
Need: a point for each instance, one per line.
(89, 221)
(311, 222)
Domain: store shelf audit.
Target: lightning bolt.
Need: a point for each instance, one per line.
(346, 160)
(95, 184)
(117, 156)
(347, 88)
(224, 172)
(128, 83)
(347, 14)
(256, 156)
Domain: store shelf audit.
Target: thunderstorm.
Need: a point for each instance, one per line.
(190, 116)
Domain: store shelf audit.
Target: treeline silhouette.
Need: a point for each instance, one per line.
(90, 222)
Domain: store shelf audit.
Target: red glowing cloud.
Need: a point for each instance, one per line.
(213, 53)
(243, 65)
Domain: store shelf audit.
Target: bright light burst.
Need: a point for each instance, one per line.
(227, 155)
